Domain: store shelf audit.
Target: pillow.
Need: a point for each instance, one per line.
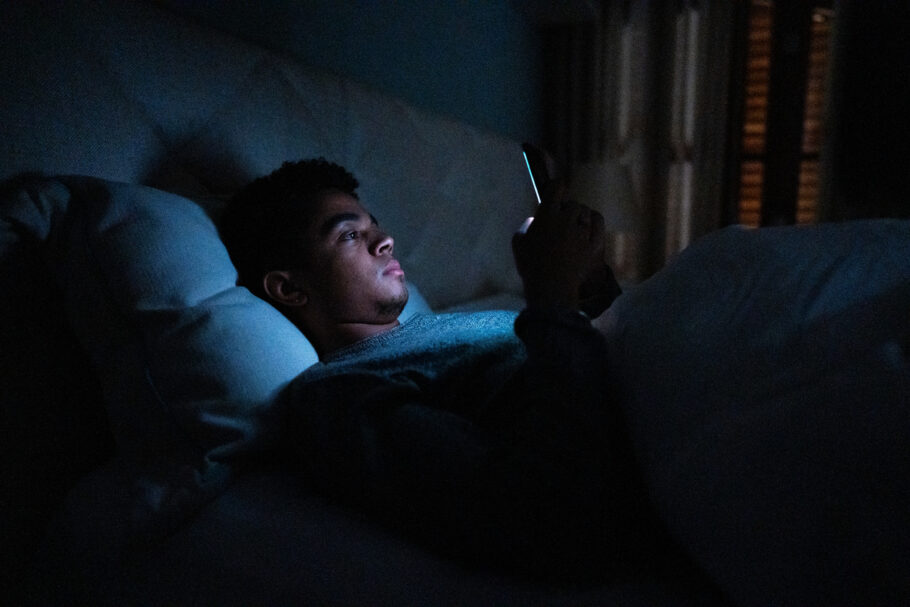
(766, 384)
(417, 304)
(188, 362)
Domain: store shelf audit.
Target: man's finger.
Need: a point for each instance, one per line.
(554, 192)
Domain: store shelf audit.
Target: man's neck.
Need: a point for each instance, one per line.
(327, 340)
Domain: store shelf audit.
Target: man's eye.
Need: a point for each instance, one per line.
(349, 236)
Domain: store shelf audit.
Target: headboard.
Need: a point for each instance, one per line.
(130, 92)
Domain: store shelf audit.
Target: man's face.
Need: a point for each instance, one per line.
(349, 271)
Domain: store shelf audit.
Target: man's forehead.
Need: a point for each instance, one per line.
(331, 222)
(332, 208)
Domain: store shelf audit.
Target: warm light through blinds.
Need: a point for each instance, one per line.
(813, 121)
(757, 78)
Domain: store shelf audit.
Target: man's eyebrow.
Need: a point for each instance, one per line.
(335, 220)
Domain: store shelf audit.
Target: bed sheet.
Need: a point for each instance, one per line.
(766, 379)
(269, 540)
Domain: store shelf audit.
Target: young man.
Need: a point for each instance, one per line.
(489, 435)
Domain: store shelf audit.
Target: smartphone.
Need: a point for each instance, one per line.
(536, 162)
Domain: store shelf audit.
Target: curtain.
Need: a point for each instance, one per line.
(644, 88)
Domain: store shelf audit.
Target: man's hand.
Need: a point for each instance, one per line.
(598, 291)
(562, 250)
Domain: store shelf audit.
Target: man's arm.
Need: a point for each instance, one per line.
(498, 496)
(564, 381)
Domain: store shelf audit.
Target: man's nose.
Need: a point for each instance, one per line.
(383, 244)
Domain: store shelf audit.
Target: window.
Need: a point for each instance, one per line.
(778, 160)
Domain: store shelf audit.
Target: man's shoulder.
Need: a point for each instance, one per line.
(459, 326)
(456, 326)
(478, 318)
(421, 337)
(425, 349)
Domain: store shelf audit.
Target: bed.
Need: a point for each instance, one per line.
(763, 373)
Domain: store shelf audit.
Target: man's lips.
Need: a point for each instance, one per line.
(393, 269)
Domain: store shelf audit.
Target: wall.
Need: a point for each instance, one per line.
(478, 62)
(868, 133)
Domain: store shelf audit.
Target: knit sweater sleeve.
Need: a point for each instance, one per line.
(439, 477)
(567, 356)
(510, 487)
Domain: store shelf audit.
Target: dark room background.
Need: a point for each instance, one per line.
(656, 95)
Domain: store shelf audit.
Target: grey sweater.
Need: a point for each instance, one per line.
(488, 435)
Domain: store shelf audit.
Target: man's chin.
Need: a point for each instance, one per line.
(393, 307)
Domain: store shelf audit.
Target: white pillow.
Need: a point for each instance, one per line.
(189, 362)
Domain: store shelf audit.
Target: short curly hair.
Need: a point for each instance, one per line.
(260, 225)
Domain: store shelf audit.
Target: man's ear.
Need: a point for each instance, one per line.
(282, 287)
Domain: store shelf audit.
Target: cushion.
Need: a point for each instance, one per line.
(767, 387)
(188, 361)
